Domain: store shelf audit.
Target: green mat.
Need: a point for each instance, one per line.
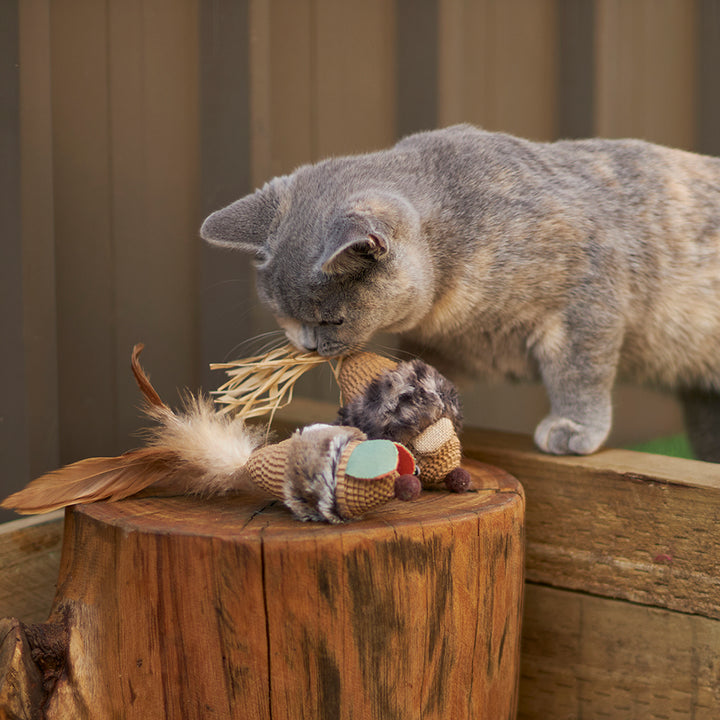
(675, 446)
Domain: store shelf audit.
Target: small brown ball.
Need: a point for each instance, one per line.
(457, 480)
(407, 487)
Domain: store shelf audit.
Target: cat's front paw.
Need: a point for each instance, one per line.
(563, 436)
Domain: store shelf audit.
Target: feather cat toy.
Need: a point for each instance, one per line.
(322, 472)
(407, 402)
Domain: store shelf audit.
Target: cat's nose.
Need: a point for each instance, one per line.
(308, 338)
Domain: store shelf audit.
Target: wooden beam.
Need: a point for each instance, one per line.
(576, 68)
(230, 36)
(618, 523)
(13, 410)
(592, 657)
(645, 58)
(85, 274)
(416, 59)
(38, 237)
(708, 61)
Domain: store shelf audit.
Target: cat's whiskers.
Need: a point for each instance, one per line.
(257, 345)
(390, 351)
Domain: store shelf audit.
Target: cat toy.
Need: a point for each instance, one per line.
(399, 420)
(322, 472)
(408, 402)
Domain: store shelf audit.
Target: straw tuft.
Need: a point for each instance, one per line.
(262, 384)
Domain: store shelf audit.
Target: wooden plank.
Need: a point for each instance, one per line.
(576, 68)
(38, 236)
(708, 61)
(645, 83)
(451, 62)
(225, 112)
(13, 411)
(353, 76)
(524, 66)
(498, 65)
(83, 230)
(134, 266)
(29, 564)
(154, 145)
(285, 71)
(641, 414)
(257, 38)
(416, 59)
(228, 119)
(591, 657)
(618, 523)
(280, 132)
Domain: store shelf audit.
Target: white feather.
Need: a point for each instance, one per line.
(216, 447)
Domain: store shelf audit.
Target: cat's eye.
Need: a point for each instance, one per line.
(337, 322)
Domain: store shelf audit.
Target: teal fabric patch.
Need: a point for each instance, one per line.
(372, 458)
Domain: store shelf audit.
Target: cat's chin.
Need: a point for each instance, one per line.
(336, 349)
(329, 350)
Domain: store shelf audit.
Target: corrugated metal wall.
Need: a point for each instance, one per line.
(134, 118)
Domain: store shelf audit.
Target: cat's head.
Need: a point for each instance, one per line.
(335, 263)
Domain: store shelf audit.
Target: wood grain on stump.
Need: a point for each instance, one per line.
(177, 607)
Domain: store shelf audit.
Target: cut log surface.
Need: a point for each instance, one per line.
(179, 607)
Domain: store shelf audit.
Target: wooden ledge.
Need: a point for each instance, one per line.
(618, 524)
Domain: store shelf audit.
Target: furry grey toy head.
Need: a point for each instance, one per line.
(402, 402)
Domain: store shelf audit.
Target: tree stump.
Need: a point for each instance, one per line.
(180, 607)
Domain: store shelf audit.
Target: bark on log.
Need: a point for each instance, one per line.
(229, 608)
(21, 691)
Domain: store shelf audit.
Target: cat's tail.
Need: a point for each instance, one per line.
(195, 451)
(701, 409)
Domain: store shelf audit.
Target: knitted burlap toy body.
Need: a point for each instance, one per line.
(331, 473)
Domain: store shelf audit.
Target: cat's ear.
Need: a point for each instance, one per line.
(356, 244)
(244, 224)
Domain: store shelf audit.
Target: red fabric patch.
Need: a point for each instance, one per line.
(406, 462)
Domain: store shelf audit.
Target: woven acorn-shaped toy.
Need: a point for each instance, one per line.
(408, 402)
(330, 473)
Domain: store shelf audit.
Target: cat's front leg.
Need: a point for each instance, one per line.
(578, 376)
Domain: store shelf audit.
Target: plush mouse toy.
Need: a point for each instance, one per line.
(408, 402)
(322, 472)
(334, 473)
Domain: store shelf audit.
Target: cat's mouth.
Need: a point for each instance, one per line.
(308, 338)
(335, 349)
(327, 348)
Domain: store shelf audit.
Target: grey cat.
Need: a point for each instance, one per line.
(575, 262)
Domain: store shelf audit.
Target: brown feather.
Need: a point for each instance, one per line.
(100, 478)
(197, 451)
(143, 380)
